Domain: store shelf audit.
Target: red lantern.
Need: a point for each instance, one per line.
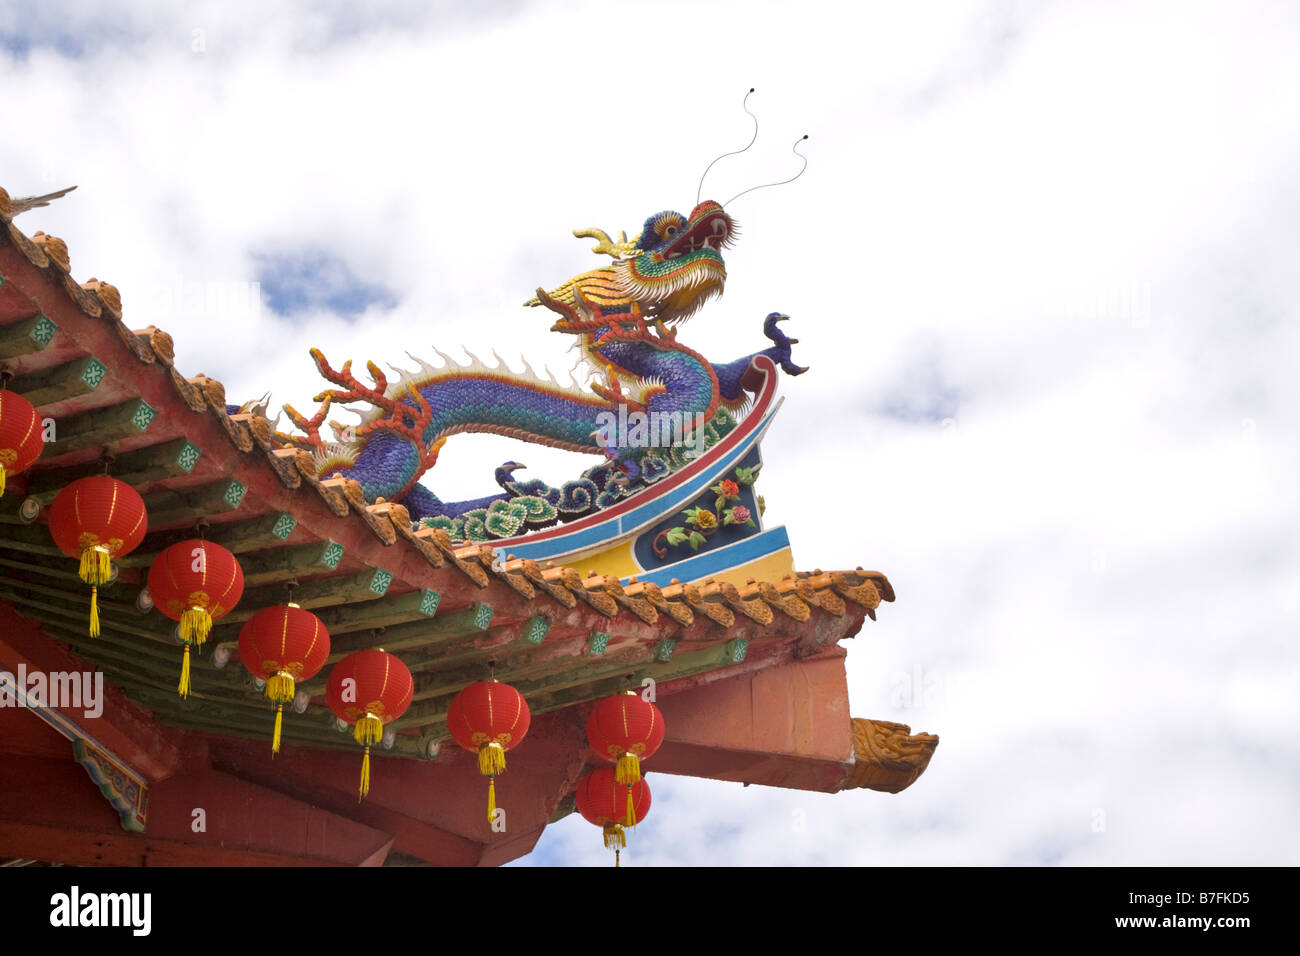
(489, 718)
(283, 645)
(628, 729)
(97, 519)
(21, 441)
(600, 801)
(369, 689)
(195, 582)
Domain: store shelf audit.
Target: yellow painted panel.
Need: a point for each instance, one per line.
(616, 561)
(771, 567)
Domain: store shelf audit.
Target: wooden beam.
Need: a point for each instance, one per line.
(99, 426)
(48, 385)
(252, 534)
(585, 683)
(368, 585)
(77, 596)
(33, 538)
(445, 627)
(419, 606)
(47, 566)
(168, 506)
(280, 564)
(140, 467)
(26, 336)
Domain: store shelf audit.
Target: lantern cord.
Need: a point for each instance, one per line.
(279, 718)
(365, 775)
(492, 798)
(184, 687)
(616, 853)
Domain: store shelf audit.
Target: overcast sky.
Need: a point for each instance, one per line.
(1042, 266)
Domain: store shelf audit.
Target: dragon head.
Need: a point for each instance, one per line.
(665, 274)
(675, 265)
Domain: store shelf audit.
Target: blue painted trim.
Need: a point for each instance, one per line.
(722, 559)
(609, 532)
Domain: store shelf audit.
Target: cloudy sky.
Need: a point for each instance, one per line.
(1042, 266)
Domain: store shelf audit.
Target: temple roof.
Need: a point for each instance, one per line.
(445, 607)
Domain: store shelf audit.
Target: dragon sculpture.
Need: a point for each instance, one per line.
(624, 316)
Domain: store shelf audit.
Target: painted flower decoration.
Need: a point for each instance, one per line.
(725, 490)
(737, 515)
(703, 519)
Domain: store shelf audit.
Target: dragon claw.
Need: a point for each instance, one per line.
(781, 352)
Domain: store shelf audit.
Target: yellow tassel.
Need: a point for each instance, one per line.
(616, 852)
(2, 480)
(184, 687)
(196, 625)
(628, 769)
(275, 741)
(492, 798)
(96, 565)
(94, 612)
(631, 810)
(279, 687)
(492, 759)
(615, 839)
(365, 775)
(369, 730)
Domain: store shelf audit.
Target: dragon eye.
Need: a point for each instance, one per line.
(670, 230)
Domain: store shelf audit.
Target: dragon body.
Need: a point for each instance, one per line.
(624, 317)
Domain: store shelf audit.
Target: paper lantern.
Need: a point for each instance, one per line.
(489, 718)
(195, 582)
(627, 729)
(369, 689)
(600, 798)
(21, 440)
(97, 519)
(283, 645)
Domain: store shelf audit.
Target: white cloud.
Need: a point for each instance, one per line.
(1069, 230)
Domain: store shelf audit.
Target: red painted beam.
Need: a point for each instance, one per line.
(784, 726)
(51, 810)
(436, 810)
(125, 729)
